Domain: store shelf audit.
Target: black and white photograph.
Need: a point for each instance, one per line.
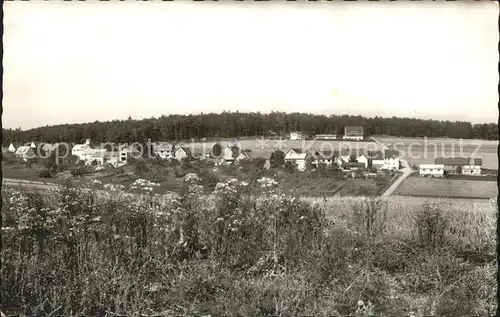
(249, 158)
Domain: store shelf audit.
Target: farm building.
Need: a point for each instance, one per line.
(164, 150)
(296, 155)
(295, 135)
(388, 159)
(25, 152)
(325, 137)
(435, 170)
(127, 152)
(93, 155)
(353, 133)
(78, 148)
(323, 157)
(461, 165)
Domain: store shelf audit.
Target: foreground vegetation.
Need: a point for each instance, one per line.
(248, 250)
(322, 181)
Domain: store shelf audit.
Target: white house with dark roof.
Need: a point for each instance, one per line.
(93, 155)
(164, 150)
(297, 156)
(353, 133)
(78, 148)
(388, 159)
(467, 165)
(127, 152)
(433, 170)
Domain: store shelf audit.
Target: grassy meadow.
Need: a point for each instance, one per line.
(418, 151)
(452, 188)
(247, 250)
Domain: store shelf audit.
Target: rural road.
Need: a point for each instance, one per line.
(407, 170)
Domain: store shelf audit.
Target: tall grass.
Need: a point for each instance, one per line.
(238, 254)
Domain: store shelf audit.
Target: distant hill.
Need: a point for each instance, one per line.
(237, 124)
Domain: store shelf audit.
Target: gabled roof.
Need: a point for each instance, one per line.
(185, 149)
(379, 155)
(353, 130)
(90, 151)
(300, 156)
(456, 161)
(23, 150)
(162, 146)
(80, 146)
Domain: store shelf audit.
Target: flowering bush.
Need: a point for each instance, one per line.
(78, 250)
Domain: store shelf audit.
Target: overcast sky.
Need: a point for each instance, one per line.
(74, 62)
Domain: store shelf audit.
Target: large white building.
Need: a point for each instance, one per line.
(434, 170)
(353, 133)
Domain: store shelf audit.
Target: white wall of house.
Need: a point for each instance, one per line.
(352, 137)
(392, 163)
(436, 170)
(12, 148)
(471, 170)
(78, 149)
(363, 159)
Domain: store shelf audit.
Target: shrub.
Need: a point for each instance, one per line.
(179, 171)
(431, 225)
(45, 174)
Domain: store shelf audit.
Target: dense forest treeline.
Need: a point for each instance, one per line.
(237, 124)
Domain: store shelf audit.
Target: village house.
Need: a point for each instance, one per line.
(434, 170)
(353, 133)
(323, 157)
(163, 150)
(387, 159)
(183, 153)
(78, 148)
(89, 156)
(113, 158)
(13, 147)
(25, 152)
(296, 155)
(325, 137)
(295, 135)
(461, 165)
(127, 152)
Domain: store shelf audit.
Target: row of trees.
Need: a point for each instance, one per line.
(236, 124)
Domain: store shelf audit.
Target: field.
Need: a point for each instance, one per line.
(265, 148)
(241, 254)
(418, 151)
(451, 188)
